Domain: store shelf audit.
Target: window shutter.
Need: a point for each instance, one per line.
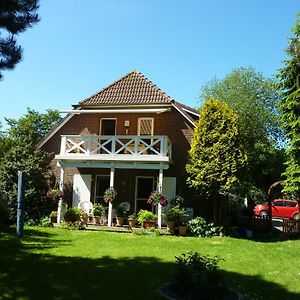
(146, 126)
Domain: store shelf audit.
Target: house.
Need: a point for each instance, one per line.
(131, 136)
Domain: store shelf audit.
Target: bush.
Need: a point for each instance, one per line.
(98, 210)
(72, 215)
(198, 277)
(146, 215)
(200, 228)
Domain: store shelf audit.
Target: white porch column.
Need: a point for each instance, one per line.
(111, 184)
(160, 183)
(60, 202)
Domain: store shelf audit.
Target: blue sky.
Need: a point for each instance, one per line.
(79, 47)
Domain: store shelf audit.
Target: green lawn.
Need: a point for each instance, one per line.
(54, 263)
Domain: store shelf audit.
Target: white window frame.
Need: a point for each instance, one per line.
(100, 127)
(139, 125)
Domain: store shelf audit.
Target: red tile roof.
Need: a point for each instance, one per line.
(132, 89)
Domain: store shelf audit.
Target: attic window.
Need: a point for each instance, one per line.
(145, 126)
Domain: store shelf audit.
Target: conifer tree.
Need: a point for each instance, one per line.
(289, 106)
(15, 17)
(216, 155)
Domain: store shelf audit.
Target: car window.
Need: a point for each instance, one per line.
(278, 203)
(290, 203)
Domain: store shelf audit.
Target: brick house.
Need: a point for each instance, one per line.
(130, 136)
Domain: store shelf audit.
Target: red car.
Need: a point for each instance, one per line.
(280, 209)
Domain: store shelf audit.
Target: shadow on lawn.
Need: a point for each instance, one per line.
(25, 275)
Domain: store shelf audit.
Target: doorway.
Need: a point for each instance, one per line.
(102, 183)
(144, 187)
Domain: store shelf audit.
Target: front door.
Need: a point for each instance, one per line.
(144, 187)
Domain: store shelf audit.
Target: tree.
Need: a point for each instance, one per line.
(23, 135)
(289, 86)
(216, 155)
(15, 17)
(253, 98)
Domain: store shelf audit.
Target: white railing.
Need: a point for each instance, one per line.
(135, 146)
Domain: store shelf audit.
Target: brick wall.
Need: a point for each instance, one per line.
(171, 124)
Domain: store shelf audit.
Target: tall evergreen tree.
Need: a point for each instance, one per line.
(289, 106)
(15, 17)
(216, 155)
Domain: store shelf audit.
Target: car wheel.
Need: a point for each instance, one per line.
(296, 217)
(263, 213)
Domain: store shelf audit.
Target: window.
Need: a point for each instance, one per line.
(102, 183)
(145, 126)
(278, 203)
(290, 203)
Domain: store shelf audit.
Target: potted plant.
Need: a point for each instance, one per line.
(72, 215)
(174, 216)
(132, 220)
(156, 198)
(54, 194)
(183, 228)
(98, 211)
(84, 217)
(121, 214)
(53, 216)
(146, 218)
(109, 194)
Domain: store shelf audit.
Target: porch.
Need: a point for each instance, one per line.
(108, 154)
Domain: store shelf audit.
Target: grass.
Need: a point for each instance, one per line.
(52, 263)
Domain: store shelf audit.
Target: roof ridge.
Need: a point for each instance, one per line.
(135, 75)
(105, 88)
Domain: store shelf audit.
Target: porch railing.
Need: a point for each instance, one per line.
(135, 146)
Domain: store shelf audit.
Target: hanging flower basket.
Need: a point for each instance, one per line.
(109, 195)
(156, 198)
(54, 194)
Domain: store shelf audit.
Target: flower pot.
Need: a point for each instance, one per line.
(97, 219)
(182, 230)
(170, 226)
(131, 223)
(84, 220)
(149, 224)
(120, 221)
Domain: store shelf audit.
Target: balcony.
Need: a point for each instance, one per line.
(125, 151)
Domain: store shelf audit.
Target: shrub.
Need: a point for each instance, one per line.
(98, 210)
(198, 277)
(146, 215)
(72, 214)
(200, 228)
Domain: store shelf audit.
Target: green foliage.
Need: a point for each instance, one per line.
(198, 277)
(289, 86)
(16, 16)
(200, 228)
(22, 154)
(216, 155)
(98, 210)
(121, 211)
(72, 214)
(175, 214)
(146, 215)
(253, 98)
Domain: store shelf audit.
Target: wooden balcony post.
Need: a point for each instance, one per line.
(111, 184)
(63, 145)
(160, 183)
(60, 202)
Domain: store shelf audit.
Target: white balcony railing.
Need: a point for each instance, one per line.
(154, 148)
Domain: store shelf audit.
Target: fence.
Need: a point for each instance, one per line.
(261, 223)
(290, 226)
